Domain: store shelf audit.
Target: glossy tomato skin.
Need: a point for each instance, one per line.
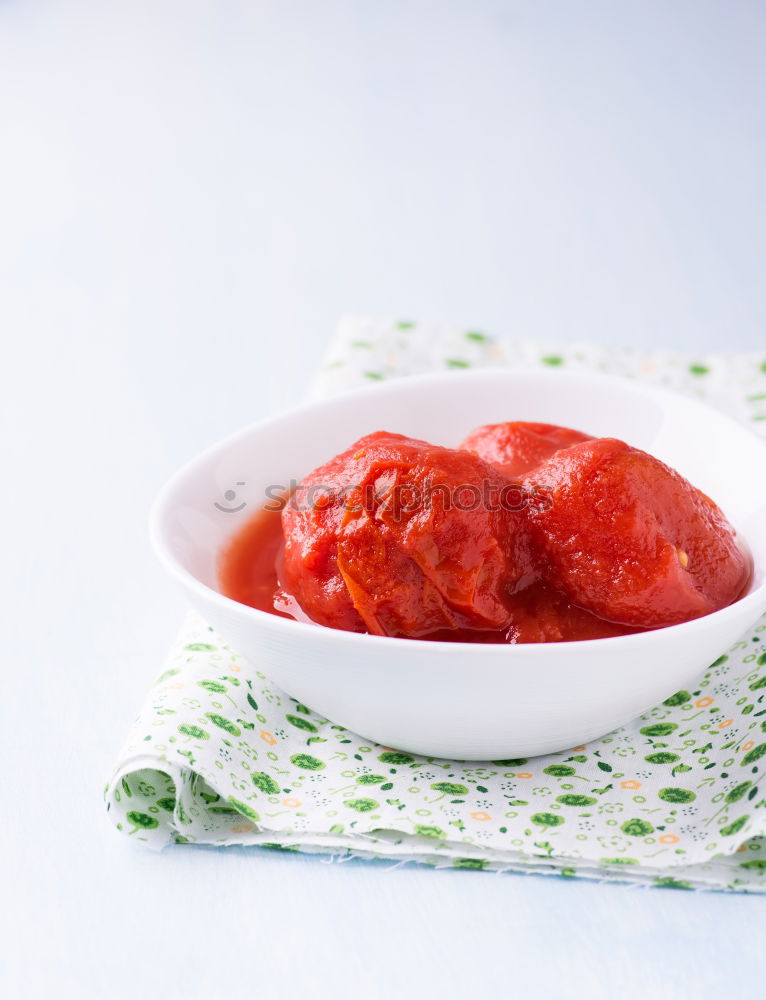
(631, 540)
(517, 447)
(396, 536)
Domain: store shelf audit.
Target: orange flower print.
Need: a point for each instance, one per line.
(668, 838)
(234, 668)
(747, 746)
(242, 828)
(725, 724)
(631, 784)
(703, 702)
(523, 774)
(291, 803)
(269, 738)
(577, 749)
(481, 816)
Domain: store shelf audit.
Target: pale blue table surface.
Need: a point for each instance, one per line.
(190, 195)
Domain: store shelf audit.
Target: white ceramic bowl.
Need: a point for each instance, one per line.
(460, 700)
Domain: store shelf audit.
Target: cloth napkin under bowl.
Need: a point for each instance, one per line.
(219, 755)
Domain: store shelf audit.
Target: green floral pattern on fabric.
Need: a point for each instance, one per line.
(365, 348)
(219, 755)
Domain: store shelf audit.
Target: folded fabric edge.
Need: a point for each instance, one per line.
(158, 822)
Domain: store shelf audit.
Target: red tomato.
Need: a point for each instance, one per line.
(631, 540)
(398, 537)
(517, 447)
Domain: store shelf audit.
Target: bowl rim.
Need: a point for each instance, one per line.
(755, 598)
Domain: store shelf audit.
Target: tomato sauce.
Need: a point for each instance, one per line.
(247, 567)
(248, 572)
(528, 533)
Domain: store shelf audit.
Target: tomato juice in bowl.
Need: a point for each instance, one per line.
(461, 699)
(550, 541)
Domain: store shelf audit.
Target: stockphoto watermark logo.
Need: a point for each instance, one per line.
(395, 498)
(232, 502)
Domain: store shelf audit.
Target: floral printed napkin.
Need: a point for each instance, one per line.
(219, 755)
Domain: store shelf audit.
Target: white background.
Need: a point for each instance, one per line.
(190, 195)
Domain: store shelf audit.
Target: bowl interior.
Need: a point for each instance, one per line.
(209, 499)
